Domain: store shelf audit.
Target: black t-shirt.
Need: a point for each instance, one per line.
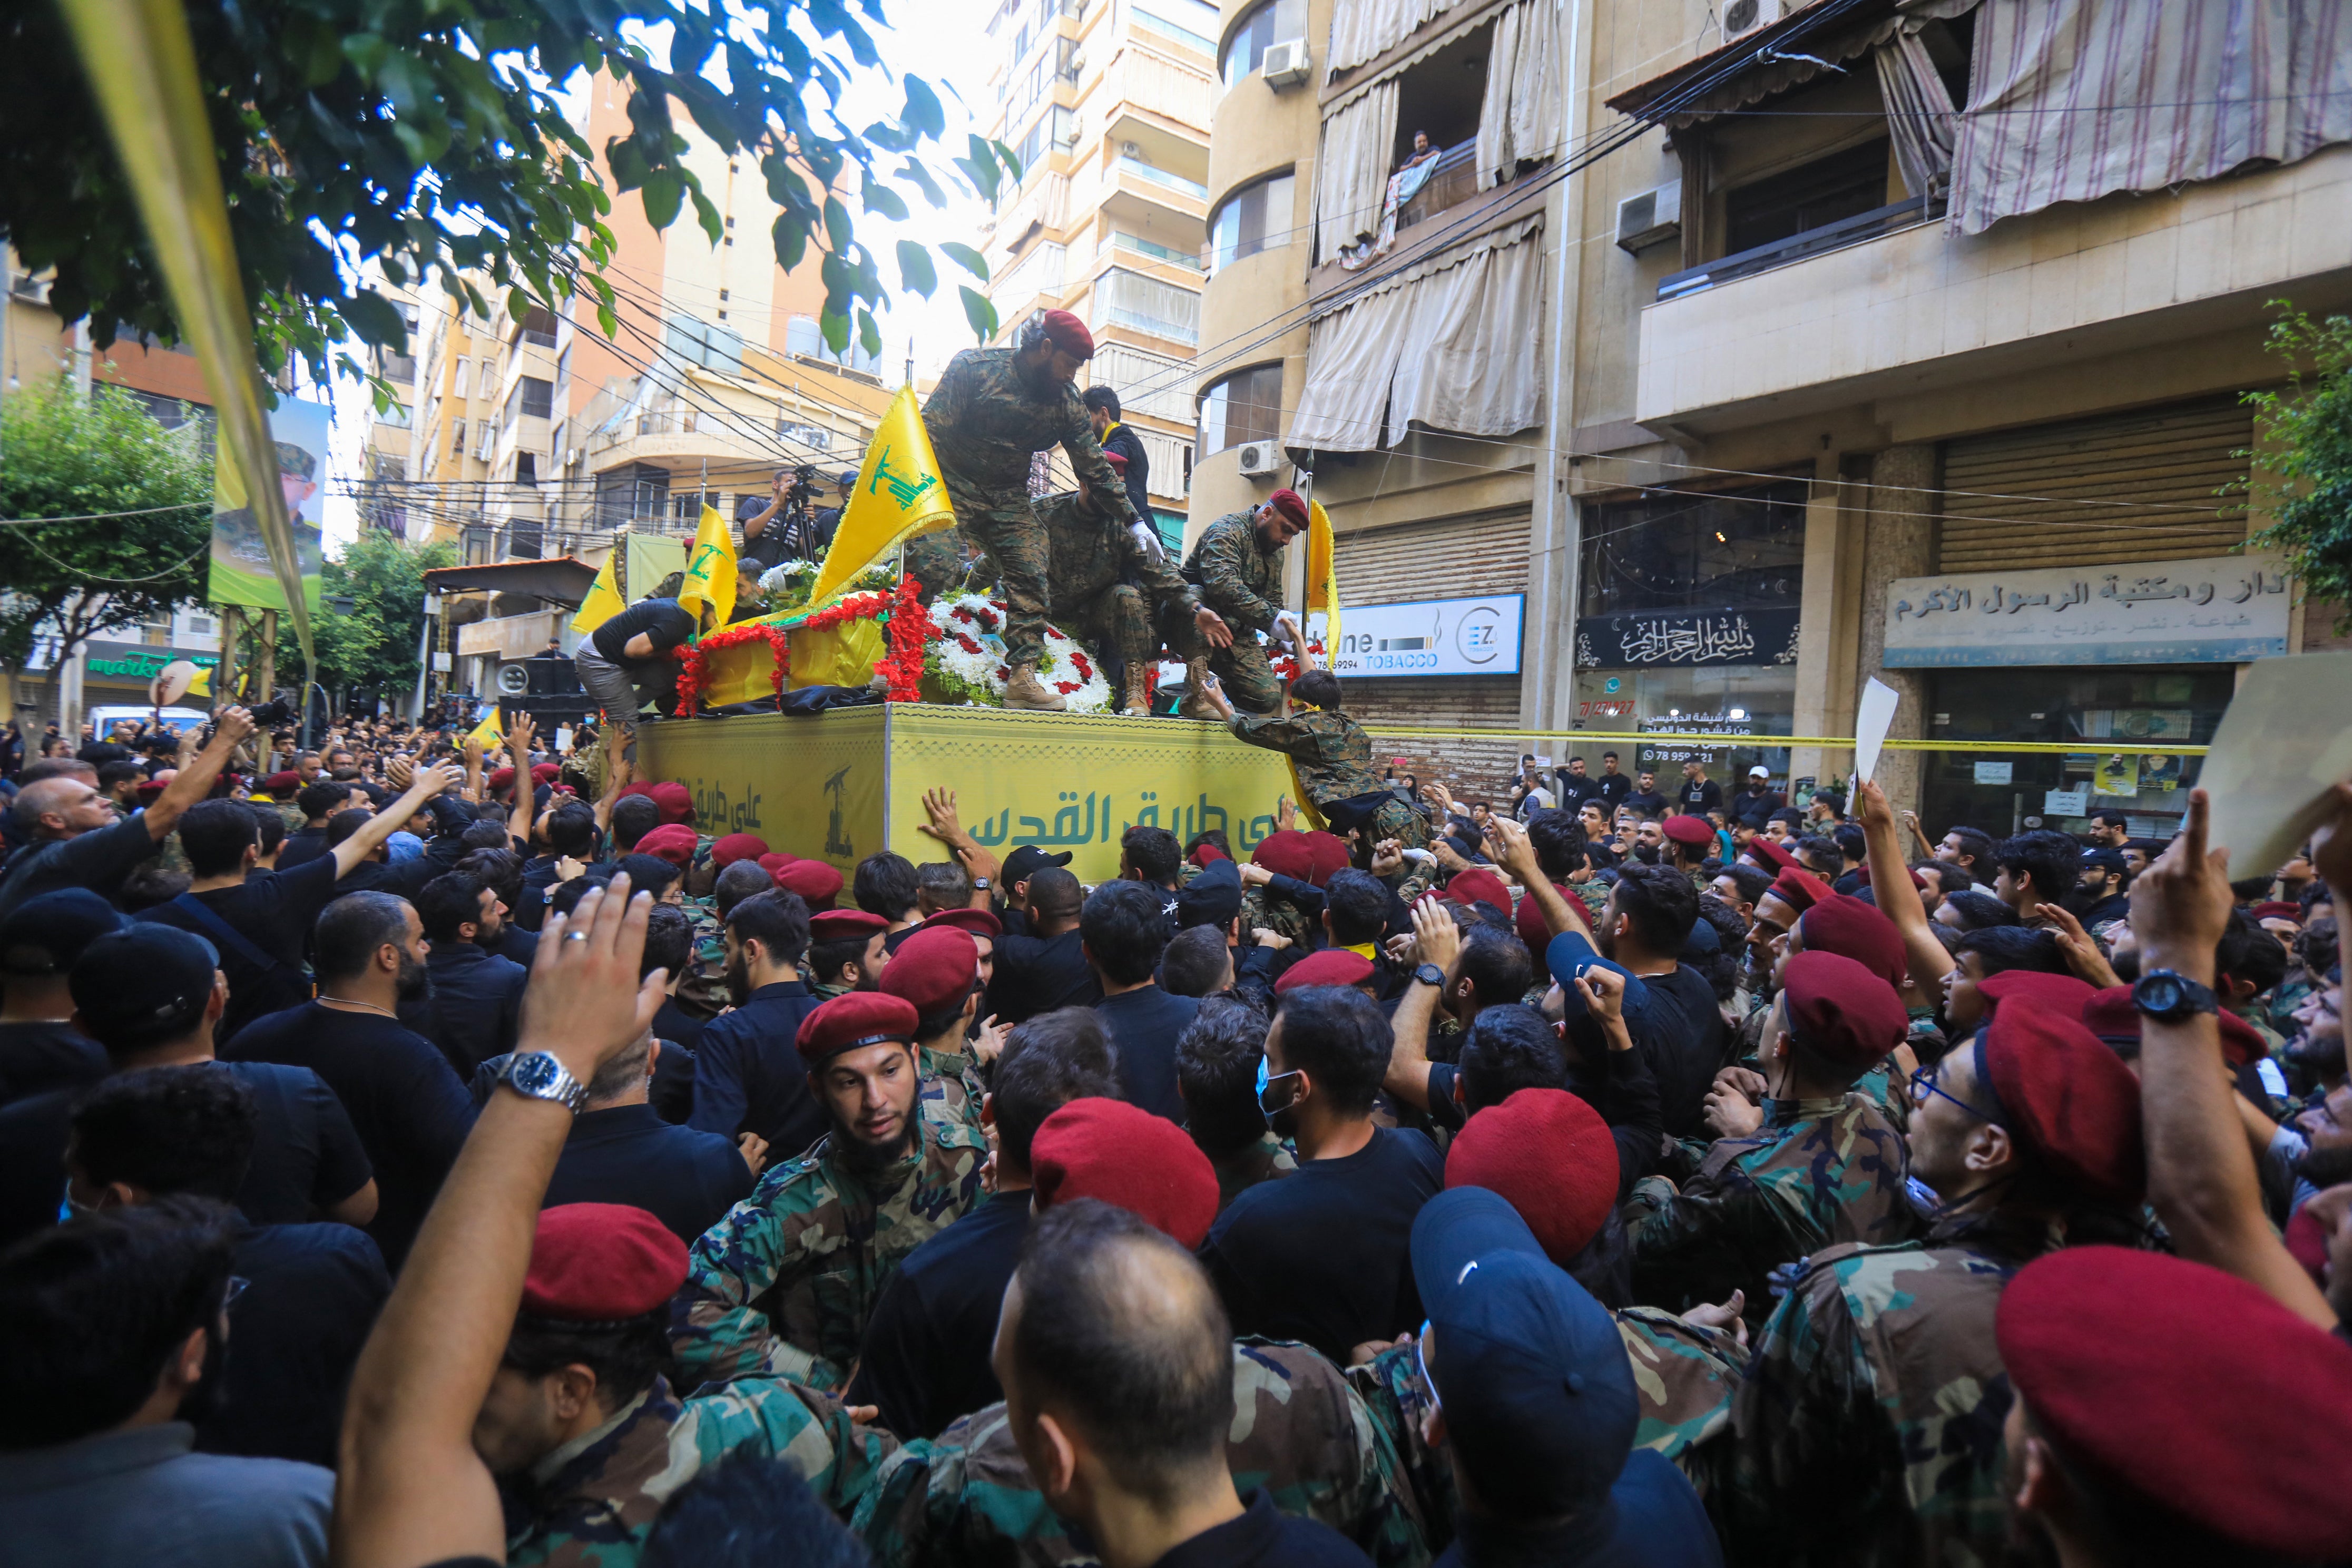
(1143, 1025)
(97, 860)
(749, 1076)
(1264, 1535)
(273, 911)
(1755, 807)
(36, 1057)
(1699, 797)
(664, 621)
(311, 1294)
(1572, 792)
(627, 1154)
(1680, 1031)
(1038, 975)
(1648, 801)
(410, 1112)
(301, 847)
(925, 1356)
(1323, 1255)
(1612, 789)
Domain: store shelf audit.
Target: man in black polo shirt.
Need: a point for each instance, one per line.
(410, 1112)
(317, 802)
(925, 1358)
(748, 1072)
(1122, 931)
(72, 837)
(40, 1049)
(1677, 1023)
(1041, 962)
(258, 920)
(620, 1151)
(626, 663)
(477, 996)
(1755, 803)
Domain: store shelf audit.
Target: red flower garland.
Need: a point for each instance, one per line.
(694, 666)
(909, 630)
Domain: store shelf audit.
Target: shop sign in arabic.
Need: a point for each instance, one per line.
(2219, 609)
(1634, 637)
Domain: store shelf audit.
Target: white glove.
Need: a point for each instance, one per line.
(1149, 540)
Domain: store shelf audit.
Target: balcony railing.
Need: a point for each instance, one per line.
(1143, 170)
(1796, 247)
(1188, 260)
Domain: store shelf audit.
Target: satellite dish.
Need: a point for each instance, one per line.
(171, 683)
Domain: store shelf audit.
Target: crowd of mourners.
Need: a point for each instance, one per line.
(413, 1157)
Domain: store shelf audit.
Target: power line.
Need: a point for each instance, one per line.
(101, 516)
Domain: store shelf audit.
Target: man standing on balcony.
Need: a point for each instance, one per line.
(992, 410)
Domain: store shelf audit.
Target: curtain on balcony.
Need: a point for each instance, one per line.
(2071, 100)
(1364, 29)
(1520, 116)
(1359, 142)
(1454, 342)
(1920, 116)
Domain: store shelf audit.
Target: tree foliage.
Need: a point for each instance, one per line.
(371, 650)
(67, 457)
(2304, 438)
(426, 135)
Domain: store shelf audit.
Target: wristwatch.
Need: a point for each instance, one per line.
(2170, 996)
(541, 1077)
(979, 884)
(1429, 974)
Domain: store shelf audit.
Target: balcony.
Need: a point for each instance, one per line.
(1911, 310)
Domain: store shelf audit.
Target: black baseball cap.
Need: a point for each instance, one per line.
(1211, 898)
(143, 983)
(2105, 860)
(44, 935)
(1028, 860)
(1529, 1369)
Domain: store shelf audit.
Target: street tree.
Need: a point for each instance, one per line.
(431, 139)
(371, 650)
(68, 457)
(2303, 434)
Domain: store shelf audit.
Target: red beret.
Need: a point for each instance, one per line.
(737, 847)
(1775, 858)
(2061, 994)
(934, 969)
(1687, 829)
(775, 860)
(2109, 1014)
(640, 787)
(843, 925)
(501, 779)
(1284, 853)
(1480, 887)
(854, 1018)
(817, 883)
(677, 804)
(976, 922)
(1117, 461)
(1801, 891)
(2277, 909)
(1069, 334)
(2067, 1099)
(1550, 1157)
(2193, 1389)
(1328, 966)
(1327, 853)
(1290, 505)
(1530, 920)
(1841, 1011)
(1124, 1156)
(545, 773)
(672, 843)
(600, 1263)
(1853, 929)
(1205, 853)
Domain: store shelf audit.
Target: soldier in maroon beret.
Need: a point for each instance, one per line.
(937, 969)
(846, 950)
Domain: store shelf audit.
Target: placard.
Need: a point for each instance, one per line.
(2066, 802)
(1996, 772)
(2215, 609)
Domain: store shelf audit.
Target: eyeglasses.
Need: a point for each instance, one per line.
(1923, 1081)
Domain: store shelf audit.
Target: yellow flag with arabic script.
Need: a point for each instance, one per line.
(710, 568)
(900, 493)
(603, 601)
(1323, 578)
(491, 732)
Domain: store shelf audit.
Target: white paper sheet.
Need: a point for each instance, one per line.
(1871, 722)
(2284, 741)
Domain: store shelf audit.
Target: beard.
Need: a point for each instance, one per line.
(414, 982)
(866, 1158)
(739, 980)
(1036, 378)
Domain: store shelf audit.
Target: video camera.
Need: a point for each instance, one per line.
(803, 489)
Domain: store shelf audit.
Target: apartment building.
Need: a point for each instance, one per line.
(1899, 340)
(1106, 104)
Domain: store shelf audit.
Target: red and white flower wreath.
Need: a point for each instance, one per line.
(969, 642)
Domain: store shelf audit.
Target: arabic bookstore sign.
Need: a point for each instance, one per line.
(2214, 610)
(1432, 636)
(1634, 638)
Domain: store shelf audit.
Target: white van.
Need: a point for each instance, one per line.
(179, 720)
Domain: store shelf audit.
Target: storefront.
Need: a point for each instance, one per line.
(115, 674)
(2106, 658)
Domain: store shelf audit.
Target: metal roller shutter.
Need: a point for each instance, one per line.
(1454, 559)
(2149, 479)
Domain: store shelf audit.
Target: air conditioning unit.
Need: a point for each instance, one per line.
(572, 455)
(1741, 17)
(1258, 458)
(1650, 217)
(1285, 64)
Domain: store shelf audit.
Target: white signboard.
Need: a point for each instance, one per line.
(1432, 636)
(1995, 773)
(2066, 802)
(2217, 609)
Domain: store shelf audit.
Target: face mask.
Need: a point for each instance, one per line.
(1276, 1115)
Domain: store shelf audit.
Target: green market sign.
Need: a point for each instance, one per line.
(145, 665)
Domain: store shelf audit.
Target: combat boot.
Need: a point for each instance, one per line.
(1024, 690)
(1137, 703)
(1196, 704)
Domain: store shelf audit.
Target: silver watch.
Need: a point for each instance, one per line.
(541, 1077)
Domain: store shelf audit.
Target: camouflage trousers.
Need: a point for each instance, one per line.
(1399, 821)
(1002, 523)
(1113, 624)
(1251, 685)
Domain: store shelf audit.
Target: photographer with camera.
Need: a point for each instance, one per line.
(785, 530)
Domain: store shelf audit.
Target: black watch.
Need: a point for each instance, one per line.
(1429, 974)
(2171, 997)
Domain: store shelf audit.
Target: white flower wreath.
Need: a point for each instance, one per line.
(969, 650)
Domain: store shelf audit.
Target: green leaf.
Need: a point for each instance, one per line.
(915, 269)
(837, 224)
(923, 113)
(869, 335)
(374, 317)
(965, 257)
(978, 312)
(663, 191)
(880, 198)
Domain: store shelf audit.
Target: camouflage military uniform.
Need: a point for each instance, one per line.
(1268, 911)
(786, 1282)
(1334, 759)
(592, 1504)
(1817, 1172)
(1868, 1431)
(1242, 580)
(951, 1089)
(1108, 591)
(985, 422)
(1593, 894)
(1299, 1431)
(1262, 1161)
(702, 989)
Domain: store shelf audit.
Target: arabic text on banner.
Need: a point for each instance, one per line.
(2222, 609)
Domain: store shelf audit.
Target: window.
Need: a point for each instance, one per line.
(1131, 299)
(465, 377)
(395, 367)
(1809, 197)
(1253, 218)
(532, 398)
(1056, 128)
(1742, 550)
(705, 343)
(1043, 271)
(526, 468)
(538, 328)
(1244, 406)
(1271, 23)
(456, 437)
(396, 416)
(1185, 21)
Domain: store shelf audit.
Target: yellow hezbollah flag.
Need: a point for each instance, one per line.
(1322, 578)
(899, 494)
(491, 730)
(603, 601)
(710, 570)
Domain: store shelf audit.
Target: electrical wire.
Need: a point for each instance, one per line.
(101, 516)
